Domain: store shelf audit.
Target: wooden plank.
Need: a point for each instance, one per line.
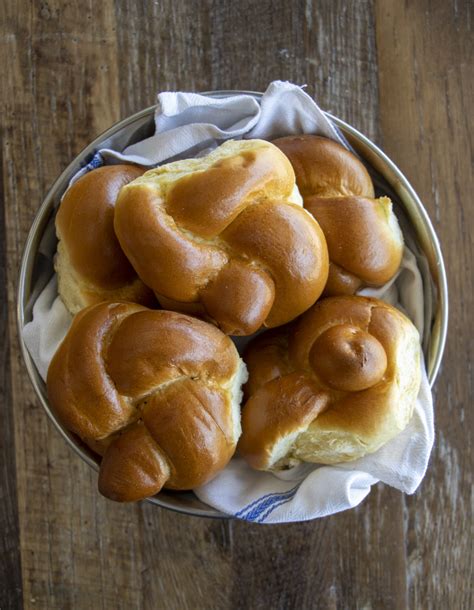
(10, 566)
(163, 46)
(425, 52)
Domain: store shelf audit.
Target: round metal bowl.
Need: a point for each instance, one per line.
(140, 126)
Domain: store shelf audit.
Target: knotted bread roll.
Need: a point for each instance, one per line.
(156, 392)
(334, 386)
(224, 235)
(90, 263)
(364, 240)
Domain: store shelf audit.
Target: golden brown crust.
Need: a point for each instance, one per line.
(292, 249)
(78, 368)
(133, 467)
(279, 409)
(364, 241)
(358, 359)
(359, 236)
(91, 264)
(240, 297)
(155, 392)
(340, 282)
(348, 358)
(266, 358)
(324, 168)
(180, 419)
(223, 231)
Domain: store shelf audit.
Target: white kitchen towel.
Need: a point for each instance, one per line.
(186, 125)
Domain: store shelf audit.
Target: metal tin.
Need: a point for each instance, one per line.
(141, 126)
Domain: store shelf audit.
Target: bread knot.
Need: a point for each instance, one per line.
(363, 237)
(156, 393)
(332, 387)
(225, 236)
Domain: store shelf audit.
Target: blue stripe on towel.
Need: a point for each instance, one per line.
(246, 508)
(96, 161)
(262, 518)
(261, 508)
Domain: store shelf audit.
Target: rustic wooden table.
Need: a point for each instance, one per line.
(397, 70)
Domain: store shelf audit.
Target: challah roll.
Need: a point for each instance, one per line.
(364, 240)
(333, 387)
(90, 263)
(224, 235)
(156, 392)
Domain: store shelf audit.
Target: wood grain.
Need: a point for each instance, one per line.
(10, 566)
(425, 68)
(396, 70)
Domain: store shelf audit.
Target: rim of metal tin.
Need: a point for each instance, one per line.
(188, 503)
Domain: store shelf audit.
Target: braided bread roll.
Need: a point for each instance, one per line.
(156, 392)
(90, 263)
(332, 388)
(224, 235)
(364, 240)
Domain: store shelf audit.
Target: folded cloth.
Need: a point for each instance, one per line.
(186, 125)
